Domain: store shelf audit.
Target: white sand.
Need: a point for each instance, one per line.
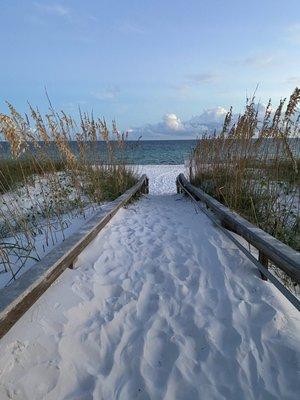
(25, 202)
(162, 178)
(161, 306)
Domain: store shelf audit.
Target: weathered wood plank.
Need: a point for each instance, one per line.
(263, 259)
(280, 254)
(17, 298)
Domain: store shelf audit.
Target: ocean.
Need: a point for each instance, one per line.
(171, 152)
(153, 152)
(141, 152)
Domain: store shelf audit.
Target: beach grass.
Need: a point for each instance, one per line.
(15, 171)
(53, 174)
(252, 166)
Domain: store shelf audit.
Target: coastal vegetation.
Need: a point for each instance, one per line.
(54, 175)
(252, 166)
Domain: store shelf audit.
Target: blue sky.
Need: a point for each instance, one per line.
(140, 61)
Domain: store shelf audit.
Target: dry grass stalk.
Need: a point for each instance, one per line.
(57, 166)
(252, 166)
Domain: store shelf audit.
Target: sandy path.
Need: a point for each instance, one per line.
(162, 178)
(161, 306)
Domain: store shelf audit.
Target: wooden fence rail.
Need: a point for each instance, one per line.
(17, 298)
(281, 255)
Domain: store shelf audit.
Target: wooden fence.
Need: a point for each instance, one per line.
(17, 298)
(269, 248)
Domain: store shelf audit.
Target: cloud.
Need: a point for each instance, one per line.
(293, 33)
(74, 105)
(258, 61)
(172, 127)
(205, 77)
(56, 9)
(182, 91)
(295, 80)
(211, 117)
(191, 81)
(172, 122)
(129, 27)
(107, 94)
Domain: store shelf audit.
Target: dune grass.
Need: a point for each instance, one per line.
(15, 171)
(55, 172)
(252, 166)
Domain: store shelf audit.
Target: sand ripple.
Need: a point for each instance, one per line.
(161, 306)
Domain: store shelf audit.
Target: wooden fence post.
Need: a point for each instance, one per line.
(263, 259)
(145, 187)
(271, 250)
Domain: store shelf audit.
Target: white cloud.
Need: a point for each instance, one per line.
(295, 80)
(107, 94)
(129, 27)
(73, 105)
(205, 77)
(259, 61)
(210, 116)
(192, 81)
(53, 8)
(172, 127)
(293, 33)
(172, 122)
(183, 91)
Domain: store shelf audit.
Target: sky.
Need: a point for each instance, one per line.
(153, 65)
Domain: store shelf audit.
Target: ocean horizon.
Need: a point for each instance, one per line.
(141, 152)
(145, 152)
